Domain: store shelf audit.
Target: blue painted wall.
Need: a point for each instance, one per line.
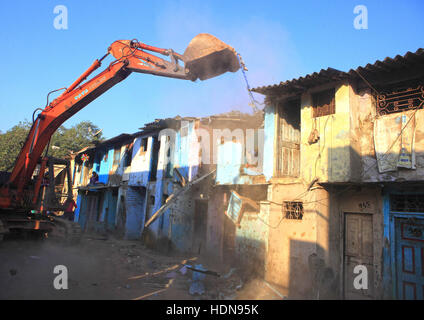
(82, 212)
(141, 164)
(108, 214)
(105, 165)
(77, 210)
(230, 155)
(269, 128)
(135, 219)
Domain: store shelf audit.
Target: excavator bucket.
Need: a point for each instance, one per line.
(207, 57)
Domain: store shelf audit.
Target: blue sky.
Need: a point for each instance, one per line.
(278, 40)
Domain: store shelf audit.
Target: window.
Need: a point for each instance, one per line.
(143, 146)
(184, 131)
(128, 155)
(293, 210)
(400, 98)
(105, 157)
(152, 200)
(288, 157)
(116, 156)
(323, 103)
(407, 202)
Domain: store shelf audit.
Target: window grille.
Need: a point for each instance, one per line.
(407, 203)
(400, 99)
(293, 210)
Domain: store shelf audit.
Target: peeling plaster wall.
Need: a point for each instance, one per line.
(230, 159)
(108, 214)
(215, 224)
(176, 224)
(364, 200)
(136, 206)
(329, 159)
(160, 227)
(251, 241)
(247, 246)
(182, 223)
(291, 242)
(230, 169)
(363, 114)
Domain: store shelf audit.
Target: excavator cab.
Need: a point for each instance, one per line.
(206, 57)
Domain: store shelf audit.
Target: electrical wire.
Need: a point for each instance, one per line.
(365, 80)
(254, 102)
(376, 163)
(301, 196)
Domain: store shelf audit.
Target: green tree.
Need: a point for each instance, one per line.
(63, 141)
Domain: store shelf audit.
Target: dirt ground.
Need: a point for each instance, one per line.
(109, 268)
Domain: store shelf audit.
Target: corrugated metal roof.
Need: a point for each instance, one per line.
(303, 83)
(411, 60)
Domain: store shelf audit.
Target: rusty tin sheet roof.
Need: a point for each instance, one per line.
(410, 60)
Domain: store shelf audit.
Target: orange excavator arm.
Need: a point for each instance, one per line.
(208, 57)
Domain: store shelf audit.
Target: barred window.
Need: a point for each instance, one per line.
(400, 98)
(293, 210)
(407, 202)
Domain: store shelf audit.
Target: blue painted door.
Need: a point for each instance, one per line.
(409, 258)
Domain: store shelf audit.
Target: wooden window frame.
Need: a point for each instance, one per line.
(324, 103)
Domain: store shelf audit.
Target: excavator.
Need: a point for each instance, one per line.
(27, 193)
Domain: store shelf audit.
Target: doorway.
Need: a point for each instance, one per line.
(358, 256)
(406, 216)
(200, 223)
(409, 248)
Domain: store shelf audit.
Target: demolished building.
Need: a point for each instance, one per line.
(326, 181)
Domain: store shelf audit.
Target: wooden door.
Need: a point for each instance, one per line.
(358, 251)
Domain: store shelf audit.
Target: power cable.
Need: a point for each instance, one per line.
(253, 101)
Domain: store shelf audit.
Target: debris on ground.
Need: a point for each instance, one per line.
(183, 270)
(275, 290)
(230, 273)
(130, 270)
(197, 286)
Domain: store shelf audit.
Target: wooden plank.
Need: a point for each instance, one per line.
(171, 199)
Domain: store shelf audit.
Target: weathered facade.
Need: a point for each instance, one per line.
(323, 186)
(354, 199)
(98, 204)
